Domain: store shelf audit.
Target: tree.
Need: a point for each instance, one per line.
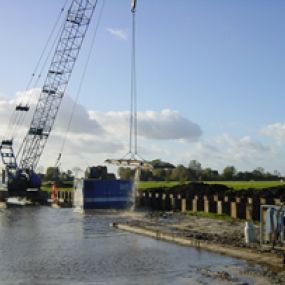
(258, 173)
(52, 173)
(195, 165)
(157, 163)
(229, 172)
(209, 175)
(146, 175)
(125, 173)
(159, 174)
(66, 176)
(180, 173)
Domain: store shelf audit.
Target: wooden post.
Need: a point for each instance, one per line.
(178, 202)
(172, 202)
(195, 204)
(226, 206)
(206, 204)
(220, 207)
(234, 210)
(183, 205)
(249, 209)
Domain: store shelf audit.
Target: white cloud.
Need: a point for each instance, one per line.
(245, 153)
(95, 136)
(119, 34)
(240, 146)
(277, 131)
(164, 125)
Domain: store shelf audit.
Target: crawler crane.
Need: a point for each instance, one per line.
(20, 168)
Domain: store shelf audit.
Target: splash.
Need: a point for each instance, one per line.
(135, 188)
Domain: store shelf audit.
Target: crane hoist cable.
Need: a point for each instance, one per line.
(65, 136)
(133, 131)
(17, 117)
(132, 157)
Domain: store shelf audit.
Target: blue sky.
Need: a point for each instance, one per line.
(218, 65)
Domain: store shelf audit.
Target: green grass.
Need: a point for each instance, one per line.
(236, 185)
(47, 188)
(244, 185)
(157, 184)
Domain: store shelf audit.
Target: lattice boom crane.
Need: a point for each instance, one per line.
(65, 55)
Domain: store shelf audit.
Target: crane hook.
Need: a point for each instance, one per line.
(133, 5)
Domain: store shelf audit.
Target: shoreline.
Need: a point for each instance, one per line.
(258, 255)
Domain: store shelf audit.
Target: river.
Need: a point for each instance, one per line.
(42, 245)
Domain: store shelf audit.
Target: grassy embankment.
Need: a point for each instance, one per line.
(237, 185)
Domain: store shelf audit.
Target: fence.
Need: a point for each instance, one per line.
(236, 207)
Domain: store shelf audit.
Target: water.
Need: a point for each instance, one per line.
(57, 246)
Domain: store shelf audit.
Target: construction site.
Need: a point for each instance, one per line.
(110, 227)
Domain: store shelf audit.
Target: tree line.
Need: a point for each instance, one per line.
(164, 171)
(195, 172)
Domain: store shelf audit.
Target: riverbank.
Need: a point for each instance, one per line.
(220, 236)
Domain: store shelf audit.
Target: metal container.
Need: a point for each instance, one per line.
(103, 194)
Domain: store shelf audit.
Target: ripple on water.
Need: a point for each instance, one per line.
(56, 246)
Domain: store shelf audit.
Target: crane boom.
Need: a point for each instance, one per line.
(59, 72)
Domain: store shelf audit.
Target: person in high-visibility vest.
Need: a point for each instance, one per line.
(54, 193)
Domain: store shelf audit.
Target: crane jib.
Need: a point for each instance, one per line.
(66, 52)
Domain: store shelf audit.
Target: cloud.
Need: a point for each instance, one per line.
(95, 136)
(154, 125)
(245, 153)
(119, 34)
(81, 121)
(240, 146)
(167, 125)
(86, 141)
(277, 131)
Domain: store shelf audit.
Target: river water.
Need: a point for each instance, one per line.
(57, 246)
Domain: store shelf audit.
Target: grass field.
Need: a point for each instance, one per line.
(157, 184)
(237, 185)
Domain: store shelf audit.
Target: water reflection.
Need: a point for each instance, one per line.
(57, 246)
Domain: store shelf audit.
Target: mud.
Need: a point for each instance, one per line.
(226, 237)
(202, 189)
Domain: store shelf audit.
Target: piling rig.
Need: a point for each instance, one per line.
(20, 168)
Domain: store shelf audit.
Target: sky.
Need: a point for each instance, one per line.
(210, 81)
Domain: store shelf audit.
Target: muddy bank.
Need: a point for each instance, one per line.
(211, 198)
(195, 188)
(224, 237)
